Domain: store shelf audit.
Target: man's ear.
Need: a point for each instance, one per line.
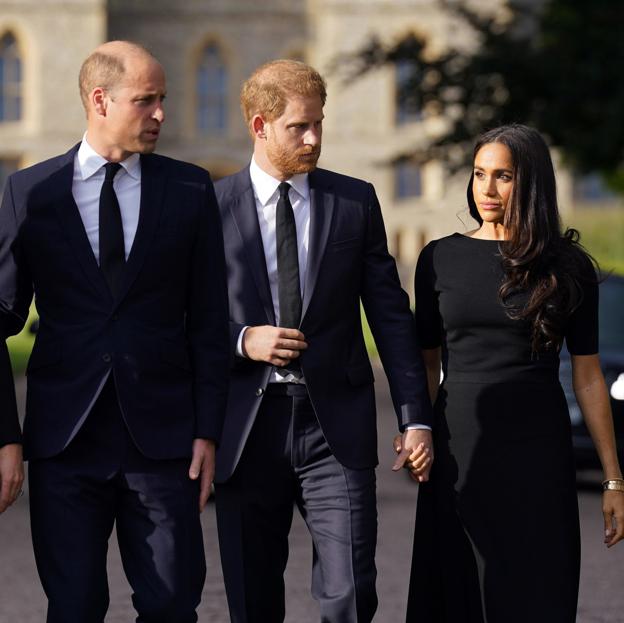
(99, 101)
(258, 127)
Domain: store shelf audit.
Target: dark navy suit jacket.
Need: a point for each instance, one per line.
(348, 262)
(163, 337)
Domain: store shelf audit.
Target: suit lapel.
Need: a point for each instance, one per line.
(60, 186)
(243, 209)
(321, 213)
(153, 180)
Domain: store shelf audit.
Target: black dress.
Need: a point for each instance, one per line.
(497, 529)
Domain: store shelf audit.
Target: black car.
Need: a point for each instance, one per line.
(611, 322)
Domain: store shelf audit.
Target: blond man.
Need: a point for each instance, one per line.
(304, 247)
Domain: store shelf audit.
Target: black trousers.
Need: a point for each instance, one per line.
(102, 479)
(287, 461)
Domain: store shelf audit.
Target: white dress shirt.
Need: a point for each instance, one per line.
(266, 194)
(86, 188)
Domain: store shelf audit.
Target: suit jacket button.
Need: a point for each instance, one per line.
(106, 358)
(259, 391)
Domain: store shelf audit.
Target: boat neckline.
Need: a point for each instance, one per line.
(479, 239)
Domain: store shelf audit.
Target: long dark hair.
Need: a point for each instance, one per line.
(538, 259)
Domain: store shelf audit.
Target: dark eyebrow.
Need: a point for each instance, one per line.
(495, 170)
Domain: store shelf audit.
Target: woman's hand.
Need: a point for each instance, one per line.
(613, 511)
(593, 398)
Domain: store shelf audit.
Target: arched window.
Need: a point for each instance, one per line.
(211, 80)
(10, 79)
(406, 99)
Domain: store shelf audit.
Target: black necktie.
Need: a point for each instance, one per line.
(287, 264)
(112, 254)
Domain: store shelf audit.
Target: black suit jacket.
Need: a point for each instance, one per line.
(163, 338)
(348, 262)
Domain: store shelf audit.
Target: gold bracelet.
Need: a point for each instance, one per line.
(614, 484)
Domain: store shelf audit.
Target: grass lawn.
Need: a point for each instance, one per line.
(371, 347)
(20, 345)
(602, 234)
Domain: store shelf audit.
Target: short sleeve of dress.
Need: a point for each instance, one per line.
(582, 330)
(428, 321)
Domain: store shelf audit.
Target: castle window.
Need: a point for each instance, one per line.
(211, 87)
(406, 100)
(10, 79)
(407, 180)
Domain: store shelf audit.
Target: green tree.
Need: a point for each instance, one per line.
(555, 65)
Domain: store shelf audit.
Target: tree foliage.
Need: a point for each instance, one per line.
(555, 65)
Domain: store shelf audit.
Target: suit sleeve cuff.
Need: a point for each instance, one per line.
(416, 415)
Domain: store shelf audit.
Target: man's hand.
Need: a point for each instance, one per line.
(203, 467)
(274, 345)
(415, 452)
(11, 474)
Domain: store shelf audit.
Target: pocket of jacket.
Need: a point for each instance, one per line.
(360, 375)
(347, 243)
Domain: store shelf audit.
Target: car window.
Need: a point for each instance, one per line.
(612, 314)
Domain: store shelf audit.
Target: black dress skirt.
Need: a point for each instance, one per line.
(497, 528)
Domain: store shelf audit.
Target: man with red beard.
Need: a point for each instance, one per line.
(303, 247)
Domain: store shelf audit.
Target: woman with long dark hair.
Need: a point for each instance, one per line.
(497, 527)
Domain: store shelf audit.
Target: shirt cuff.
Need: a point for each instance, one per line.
(417, 427)
(239, 343)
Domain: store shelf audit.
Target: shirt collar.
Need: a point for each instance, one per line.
(90, 162)
(265, 185)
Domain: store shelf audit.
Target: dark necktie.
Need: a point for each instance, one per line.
(287, 264)
(112, 254)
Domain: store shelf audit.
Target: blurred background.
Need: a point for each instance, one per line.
(411, 83)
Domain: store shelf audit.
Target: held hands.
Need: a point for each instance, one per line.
(274, 345)
(11, 474)
(415, 453)
(613, 511)
(203, 467)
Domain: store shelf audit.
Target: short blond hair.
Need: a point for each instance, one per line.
(267, 90)
(105, 67)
